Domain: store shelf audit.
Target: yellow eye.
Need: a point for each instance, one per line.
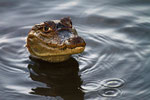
(47, 29)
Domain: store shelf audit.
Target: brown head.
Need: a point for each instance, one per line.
(54, 41)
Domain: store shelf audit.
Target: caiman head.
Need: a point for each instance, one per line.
(54, 41)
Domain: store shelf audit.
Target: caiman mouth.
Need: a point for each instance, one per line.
(70, 46)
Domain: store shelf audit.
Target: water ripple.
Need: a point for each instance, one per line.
(118, 47)
(112, 83)
(109, 92)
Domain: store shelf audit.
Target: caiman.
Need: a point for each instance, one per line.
(54, 40)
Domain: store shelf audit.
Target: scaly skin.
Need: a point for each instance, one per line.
(54, 41)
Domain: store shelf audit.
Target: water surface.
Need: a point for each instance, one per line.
(114, 65)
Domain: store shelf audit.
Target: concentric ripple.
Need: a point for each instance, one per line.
(90, 86)
(112, 83)
(109, 92)
(117, 53)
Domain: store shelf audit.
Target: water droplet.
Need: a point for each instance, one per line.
(112, 83)
(109, 92)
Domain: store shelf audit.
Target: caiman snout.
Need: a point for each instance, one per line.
(75, 42)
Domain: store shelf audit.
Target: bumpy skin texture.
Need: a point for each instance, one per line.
(54, 41)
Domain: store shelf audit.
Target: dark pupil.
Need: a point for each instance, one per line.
(46, 28)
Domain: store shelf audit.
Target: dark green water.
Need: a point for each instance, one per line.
(114, 66)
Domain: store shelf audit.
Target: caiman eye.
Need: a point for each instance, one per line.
(51, 25)
(66, 22)
(47, 29)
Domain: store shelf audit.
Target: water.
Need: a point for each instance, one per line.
(117, 34)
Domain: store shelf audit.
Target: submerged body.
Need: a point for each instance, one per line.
(54, 41)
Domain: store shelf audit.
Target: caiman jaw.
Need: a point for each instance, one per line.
(55, 53)
(70, 46)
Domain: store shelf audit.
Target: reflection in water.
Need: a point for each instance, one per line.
(62, 79)
(117, 34)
